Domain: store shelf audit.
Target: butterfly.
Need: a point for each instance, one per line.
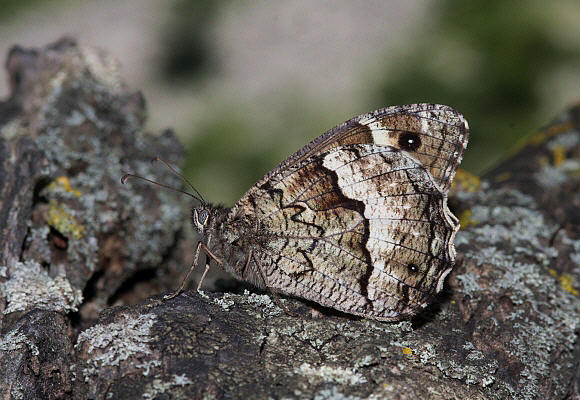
(357, 220)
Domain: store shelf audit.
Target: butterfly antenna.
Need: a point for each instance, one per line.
(200, 197)
(127, 176)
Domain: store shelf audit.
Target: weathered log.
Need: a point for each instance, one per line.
(505, 327)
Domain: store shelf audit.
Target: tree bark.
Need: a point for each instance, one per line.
(72, 237)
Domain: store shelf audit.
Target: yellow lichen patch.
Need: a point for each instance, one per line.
(466, 181)
(466, 219)
(567, 281)
(63, 183)
(558, 155)
(63, 221)
(407, 350)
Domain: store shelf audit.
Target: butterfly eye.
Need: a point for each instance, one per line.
(199, 218)
(409, 141)
(202, 216)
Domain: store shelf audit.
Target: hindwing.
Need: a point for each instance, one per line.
(357, 220)
(360, 228)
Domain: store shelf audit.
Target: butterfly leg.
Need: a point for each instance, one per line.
(200, 246)
(270, 289)
(209, 253)
(186, 278)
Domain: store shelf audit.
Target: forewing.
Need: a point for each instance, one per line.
(360, 227)
(435, 135)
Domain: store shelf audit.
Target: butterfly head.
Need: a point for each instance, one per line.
(200, 214)
(200, 218)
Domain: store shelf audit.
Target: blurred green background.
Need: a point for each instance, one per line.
(245, 84)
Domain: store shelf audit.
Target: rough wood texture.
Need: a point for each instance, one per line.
(506, 327)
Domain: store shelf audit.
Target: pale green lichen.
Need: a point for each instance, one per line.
(470, 373)
(148, 366)
(225, 302)
(158, 386)
(396, 328)
(469, 281)
(333, 393)
(551, 177)
(110, 344)
(15, 340)
(310, 334)
(30, 287)
(329, 373)
(37, 238)
(97, 210)
(267, 306)
(259, 299)
(515, 242)
(575, 257)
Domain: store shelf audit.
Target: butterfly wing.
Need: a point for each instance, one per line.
(435, 135)
(355, 225)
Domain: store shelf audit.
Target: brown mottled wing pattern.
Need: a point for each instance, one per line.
(435, 135)
(358, 224)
